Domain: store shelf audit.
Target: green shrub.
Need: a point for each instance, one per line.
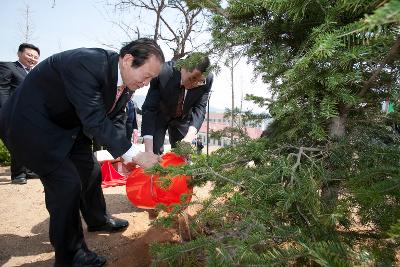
(5, 158)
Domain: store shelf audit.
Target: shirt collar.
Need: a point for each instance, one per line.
(119, 82)
(25, 67)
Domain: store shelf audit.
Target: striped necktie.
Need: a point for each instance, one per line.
(120, 90)
(179, 106)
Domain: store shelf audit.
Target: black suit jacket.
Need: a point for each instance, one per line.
(12, 74)
(63, 96)
(162, 99)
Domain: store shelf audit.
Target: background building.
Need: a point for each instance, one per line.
(217, 123)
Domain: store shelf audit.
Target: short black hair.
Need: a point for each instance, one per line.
(195, 60)
(141, 49)
(23, 46)
(203, 65)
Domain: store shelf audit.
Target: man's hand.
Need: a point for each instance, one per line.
(145, 159)
(192, 131)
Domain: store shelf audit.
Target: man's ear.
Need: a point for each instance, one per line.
(127, 60)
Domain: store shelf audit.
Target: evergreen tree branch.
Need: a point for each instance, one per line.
(234, 163)
(302, 215)
(298, 159)
(394, 51)
(225, 178)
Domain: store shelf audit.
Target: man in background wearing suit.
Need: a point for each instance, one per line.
(176, 101)
(131, 121)
(12, 75)
(65, 102)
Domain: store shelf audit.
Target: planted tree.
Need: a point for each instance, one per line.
(322, 187)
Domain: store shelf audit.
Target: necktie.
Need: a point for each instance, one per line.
(179, 106)
(27, 70)
(120, 90)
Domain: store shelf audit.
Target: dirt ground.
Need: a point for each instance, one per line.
(24, 227)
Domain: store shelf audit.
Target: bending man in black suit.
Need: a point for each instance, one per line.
(12, 74)
(49, 123)
(176, 101)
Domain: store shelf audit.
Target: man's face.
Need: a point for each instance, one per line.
(29, 57)
(192, 79)
(135, 78)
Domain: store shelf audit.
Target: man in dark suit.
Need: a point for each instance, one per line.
(176, 101)
(12, 75)
(131, 121)
(199, 145)
(49, 123)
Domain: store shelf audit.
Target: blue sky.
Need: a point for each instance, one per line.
(88, 23)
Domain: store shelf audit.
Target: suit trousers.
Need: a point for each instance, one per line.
(75, 185)
(174, 135)
(17, 169)
(159, 135)
(129, 130)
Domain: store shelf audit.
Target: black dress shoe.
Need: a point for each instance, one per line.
(87, 258)
(112, 225)
(18, 180)
(31, 175)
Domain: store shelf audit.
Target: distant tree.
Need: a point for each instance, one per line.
(231, 62)
(27, 26)
(171, 22)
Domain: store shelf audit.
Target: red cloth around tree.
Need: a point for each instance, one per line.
(110, 177)
(144, 191)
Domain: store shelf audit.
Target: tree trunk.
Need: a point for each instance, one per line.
(337, 127)
(330, 190)
(233, 101)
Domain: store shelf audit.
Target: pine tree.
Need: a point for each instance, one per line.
(323, 186)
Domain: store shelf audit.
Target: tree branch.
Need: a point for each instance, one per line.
(394, 51)
(298, 160)
(224, 178)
